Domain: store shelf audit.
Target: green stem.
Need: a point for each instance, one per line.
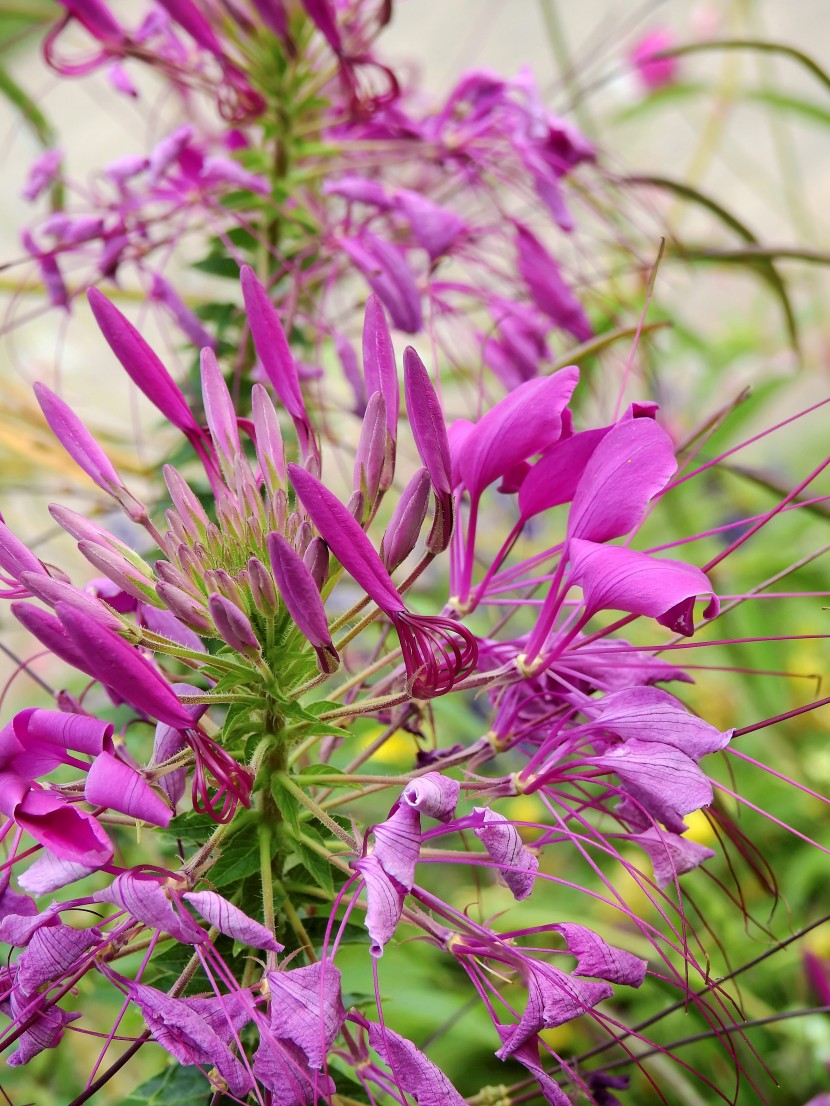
(288, 783)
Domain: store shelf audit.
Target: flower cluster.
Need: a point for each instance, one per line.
(228, 645)
(328, 170)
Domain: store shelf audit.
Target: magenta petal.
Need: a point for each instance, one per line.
(77, 440)
(665, 782)
(597, 958)
(379, 368)
(434, 795)
(384, 903)
(619, 579)
(553, 998)
(272, 346)
(231, 921)
(346, 539)
(389, 276)
(633, 462)
(187, 1036)
(525, 422)
(50, 872)
(670, 855)
(120, 666)
(549, 291)
(51, 952)
(306, 1008)
(517, 865)
(141, 363)
(282, 1067)
(555, 476)
(435, 228)
(415, 1073)
(80, 732)
(145, 897)
(527, 1054)
(398, 845)
(650, 714)
(45, 1031)
(371, 450)
(426, 420)
(70, 833)
(115, 785)
(299, 592)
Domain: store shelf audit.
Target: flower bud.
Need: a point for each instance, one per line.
(233, 627)
(406, 522)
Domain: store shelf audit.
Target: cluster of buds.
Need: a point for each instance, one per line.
(228, 644)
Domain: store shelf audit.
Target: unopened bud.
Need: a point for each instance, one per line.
(233, 627)
(262, 587)
(407, 519)
(188, 611)
(121, 572)
(316, 560)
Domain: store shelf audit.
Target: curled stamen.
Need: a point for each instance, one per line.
(438, 652)
(235, 782)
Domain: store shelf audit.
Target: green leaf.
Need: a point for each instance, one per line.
(175, 1086)
(761, 261)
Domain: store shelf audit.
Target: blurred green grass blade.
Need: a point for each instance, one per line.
(762, 262)
(760, 45)
(28, 110)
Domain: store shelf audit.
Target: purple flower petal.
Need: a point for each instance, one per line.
(525, 422)
(389, 276)
(272, 346)
(120, 666)
(633, 462)
(307, 1009)
(384, 903)
(187, 1036)
(556, 475)
(517, 865)
(219, 412)
(231, 921)
(145, 897)
(597, 958)
(398, 845)
(527, 1054)
(415, 1073)
(434, 795)
(619, 579)
(406, 522)
(435, 228)
(426, 420)
(553, 998)
(665, 782)
(670, 855)
(282, 1067)
(52, 951)
(50, 872)
(77, 440)
(649, 714)
(346, 540)
(115, 785)
(548, 290)
(299, 592)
